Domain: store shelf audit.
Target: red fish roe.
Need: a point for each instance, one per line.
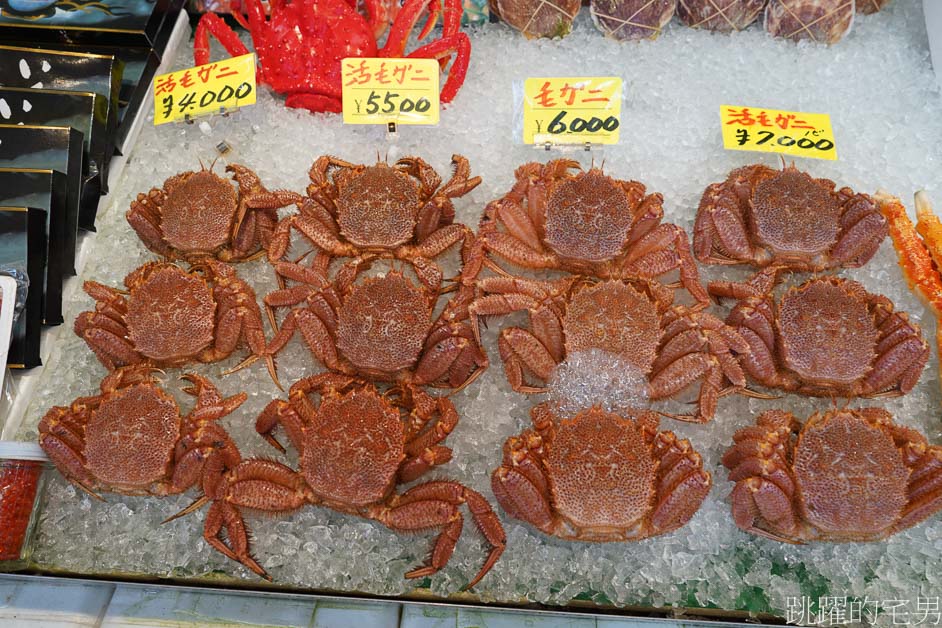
(19, 482)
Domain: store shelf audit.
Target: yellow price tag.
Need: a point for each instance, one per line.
(211, 88)
(380, 91)
(772, 131)
(572, 110)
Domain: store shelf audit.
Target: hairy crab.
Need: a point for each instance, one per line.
(844, 475)
(763, 216)
(199, 214)
(600, 476)
(170, 317)
(586, 223)
(672, 347)
(301, 46)
(354, 447)
(131, 439)
(401, 211)
(826, 337)
(381, 328)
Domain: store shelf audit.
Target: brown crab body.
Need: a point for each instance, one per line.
(131, 439)
(764, 216)
(354, 446)
(827, 337)
(401, 211)
(671, 347)
(170, 317)
(599, 477)
(562, 218)
(845, 475)
(200, 214)
(381, 328)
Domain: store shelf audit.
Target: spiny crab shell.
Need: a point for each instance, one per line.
(403, 211)
(599, 476)
(170, 316)
(844, 475)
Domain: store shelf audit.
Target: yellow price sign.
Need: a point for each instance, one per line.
(211, 88)
(572, 110)
(380, 91)
(773, 131)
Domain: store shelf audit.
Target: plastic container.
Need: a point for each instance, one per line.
(22, 479)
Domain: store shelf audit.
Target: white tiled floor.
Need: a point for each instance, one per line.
(52, 603)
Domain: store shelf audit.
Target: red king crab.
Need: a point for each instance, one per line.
(354, 447)
(402, 211)
(199, 214)
(599, 476)
(131, 439)
(381, 328)
(827, 337)
(301, 46)
(845, 475)
(586, 223)
(763, 216)
(170, 317)
(672, 346)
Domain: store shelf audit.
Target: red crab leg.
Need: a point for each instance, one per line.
(442, 49)
(212, 24)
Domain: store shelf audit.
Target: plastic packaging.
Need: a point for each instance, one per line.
(22, 478)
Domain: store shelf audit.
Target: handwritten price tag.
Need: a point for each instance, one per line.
(379, 91)
(571, 110)
(772, 131)
(224, 85)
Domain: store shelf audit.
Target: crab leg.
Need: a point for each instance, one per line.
(212, 24)
(460, 46)
(435, 504)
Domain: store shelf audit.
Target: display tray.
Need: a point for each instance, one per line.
(881, 93)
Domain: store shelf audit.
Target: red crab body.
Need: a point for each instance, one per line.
(301, 45)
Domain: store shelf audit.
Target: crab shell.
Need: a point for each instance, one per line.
(131, 438)
(845, 475)
(600, 477)
(353, 448)
(383, 324)
(378, 205)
